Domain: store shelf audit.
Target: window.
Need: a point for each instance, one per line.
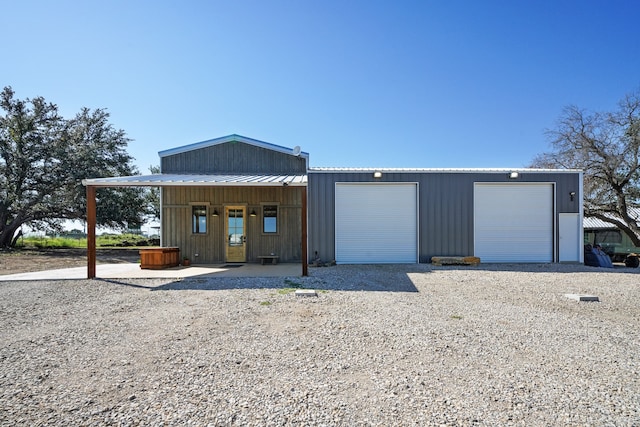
(199, 219)
(270, 219)
(235, 226)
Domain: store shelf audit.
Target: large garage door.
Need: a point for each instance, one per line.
(376, 223)
(513, 222)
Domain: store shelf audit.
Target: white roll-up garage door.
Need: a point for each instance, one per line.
(513, 222)
(376, 223)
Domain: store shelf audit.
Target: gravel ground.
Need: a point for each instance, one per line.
(379, 345)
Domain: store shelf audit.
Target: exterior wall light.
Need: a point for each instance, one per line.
(253, 212)
(514, 175)
(215, 212)
(572, 195)
(377, 174)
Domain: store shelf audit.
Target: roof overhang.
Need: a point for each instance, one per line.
(439, 170)
(178, 180)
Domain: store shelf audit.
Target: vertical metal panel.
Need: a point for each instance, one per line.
(321, 225)
(444, 215)
(233, 158)
(445, 209)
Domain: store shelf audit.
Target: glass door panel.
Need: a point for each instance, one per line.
(235, 234)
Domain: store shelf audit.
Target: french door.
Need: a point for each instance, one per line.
(235, 232)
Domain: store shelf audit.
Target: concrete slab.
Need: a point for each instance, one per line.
(582, 297)
(306, 293)
(133, 271)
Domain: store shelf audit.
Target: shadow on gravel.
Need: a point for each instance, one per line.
(372, 278)
(121, 283)
(399, 284)
(542, 268)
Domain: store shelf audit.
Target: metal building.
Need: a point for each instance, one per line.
(411, 215)
(237, 199)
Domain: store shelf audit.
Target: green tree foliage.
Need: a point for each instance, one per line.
(152, 196)
(43, 160)
(606, 145)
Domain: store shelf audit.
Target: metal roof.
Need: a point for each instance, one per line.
(439, 170)
(231, 138)
(176, 180)
(596, 223)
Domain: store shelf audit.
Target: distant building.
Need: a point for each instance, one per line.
(613, 241)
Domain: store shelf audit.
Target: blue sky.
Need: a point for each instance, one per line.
(355, 83)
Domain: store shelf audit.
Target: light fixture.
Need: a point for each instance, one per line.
(572, 195)
(377, 174)
(253, 212)
(513, 175)
(215, 212)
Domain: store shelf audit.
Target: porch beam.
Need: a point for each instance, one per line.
(91, 232)
(305, 267)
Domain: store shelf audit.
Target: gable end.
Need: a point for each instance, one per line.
(233, 155)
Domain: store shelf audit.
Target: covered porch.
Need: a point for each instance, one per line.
(213, 196)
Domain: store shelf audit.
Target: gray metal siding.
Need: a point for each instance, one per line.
(232, 158)
(445, 215)
(445, 204)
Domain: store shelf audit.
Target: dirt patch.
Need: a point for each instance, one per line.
(28, 260)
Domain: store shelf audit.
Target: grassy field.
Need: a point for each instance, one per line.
(102, 241)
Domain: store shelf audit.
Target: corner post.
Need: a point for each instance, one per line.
(305, 267)
(91, 232)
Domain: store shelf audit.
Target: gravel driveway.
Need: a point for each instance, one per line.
(379, 345)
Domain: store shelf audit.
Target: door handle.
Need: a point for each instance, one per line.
(244, 239)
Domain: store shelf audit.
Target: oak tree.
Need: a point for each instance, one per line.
(43, 160)
(606, 146)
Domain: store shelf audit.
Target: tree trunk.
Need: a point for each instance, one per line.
(6, 238)
(6, 235)
(632, 235)
(15, 239)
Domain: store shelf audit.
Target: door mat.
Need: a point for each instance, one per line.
(232, 265)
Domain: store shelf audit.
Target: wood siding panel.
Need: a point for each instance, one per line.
(210, 247)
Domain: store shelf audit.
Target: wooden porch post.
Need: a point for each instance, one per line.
(305, 267)
(91, 232)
